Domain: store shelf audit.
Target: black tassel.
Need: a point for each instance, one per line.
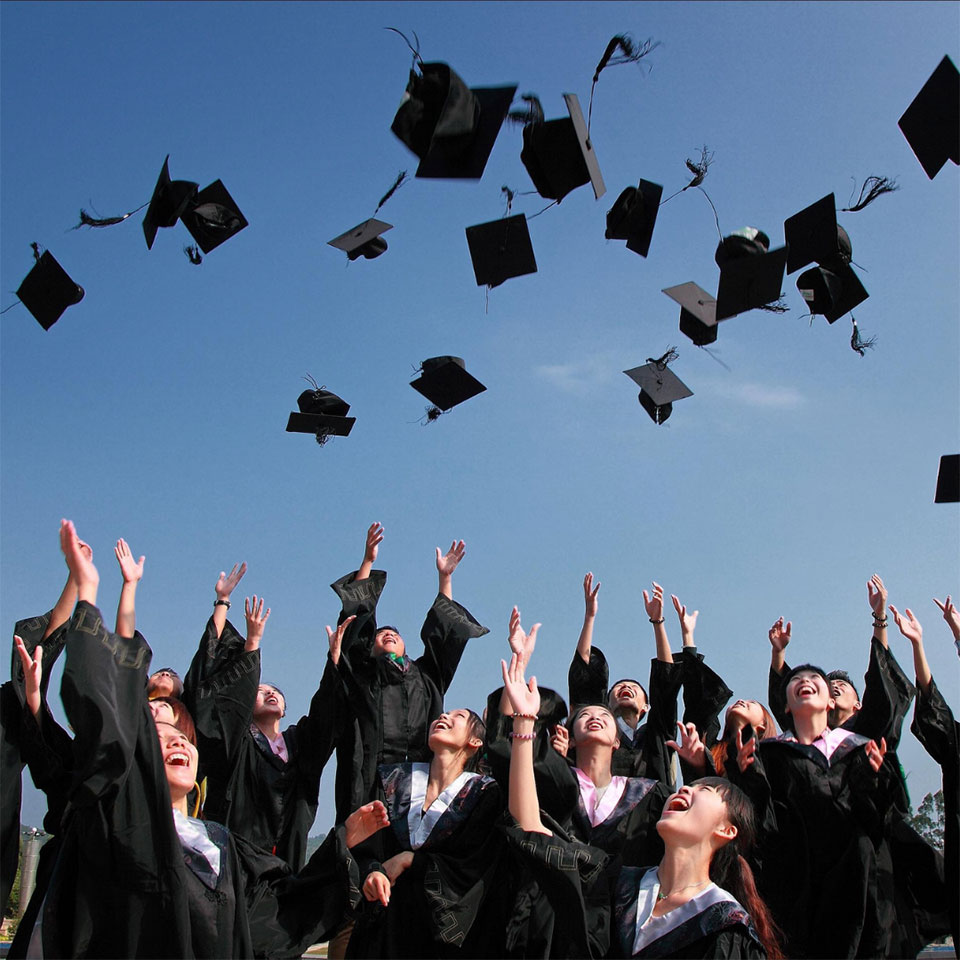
(432, 415)
(699, 169)
(629, 52)
(193, 254)
(532, 114)
(35, 247)
(323, 435)
(857, 343)
(872, 188)
(87, 221)
(401, 178)
(509, 194)
(415, 50)
(778, 306)
(661, 362)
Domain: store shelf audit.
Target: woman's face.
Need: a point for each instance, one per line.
(747, 711)
(808, 691)
(269, 702)
(162, 712)
(162, 684)
(453, 730)
(180, 760)
(595, 724)
(695, 814)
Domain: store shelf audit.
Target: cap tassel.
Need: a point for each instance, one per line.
(776, 306)
(401, 179)
(432, 415)
(857, 342)
(629, 52)
(872, 188)
(35, 247)
(193, 254)
(415, 50)
(532, 114)
(87, 221)
(661, 362)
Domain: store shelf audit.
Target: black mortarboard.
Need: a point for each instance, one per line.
(170, 198)
(814, 236)
(748, 279)
(47, 291)
(451, 127)
(633, 216)
(559, 156)
(323, 414)
(659, 387)
(698, 312)
(931, 123)
(948, 479)
(213, 217)
(363, 240)
(445, 382)
(501, 249)
(831, 293)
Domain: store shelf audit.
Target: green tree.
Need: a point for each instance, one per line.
(928, 819)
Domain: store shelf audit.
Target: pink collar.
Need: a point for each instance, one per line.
(599, 810)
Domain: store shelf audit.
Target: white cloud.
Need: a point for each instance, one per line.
(763, 395)
(579, 378)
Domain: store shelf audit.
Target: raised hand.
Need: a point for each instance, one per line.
(130, 569)
(227, 583)
(875, 753)
(877, 595)
(746, 752)
(79, 562)
(590, 596)
(688, 621)
(256, 619)
(522, 644)
(372, 546)
(690, 748)
(32, 673)
(365, 821)
(377, 887)
(447, 562)
(560, 740)
(335, 638)
(654, 605)
(523, 697)
(950, 615)
(908, 624)
(779, 635)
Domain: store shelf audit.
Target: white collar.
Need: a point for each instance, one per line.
(420, 822)
(193, 835)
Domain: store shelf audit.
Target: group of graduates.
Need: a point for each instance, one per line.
(179, 809)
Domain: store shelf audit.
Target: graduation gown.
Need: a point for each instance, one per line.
(704, 695)
(393, 702)
(823, 846)
(267, 801)
(448, 903)
(588, 683)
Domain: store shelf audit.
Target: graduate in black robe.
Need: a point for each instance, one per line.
(393, 699)
(434, 882)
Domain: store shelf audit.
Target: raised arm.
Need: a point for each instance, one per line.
(952, 617)
(688, 622)
(32, 674)
(779, 635)
(590, 606)
(654, 607)
(911, 629)
(226, 584)
(370, 550)
(877, 595)
(132, 571)
(256, 618)
(446, 564)
(63, 609)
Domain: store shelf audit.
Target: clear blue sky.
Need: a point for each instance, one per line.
(155, 409)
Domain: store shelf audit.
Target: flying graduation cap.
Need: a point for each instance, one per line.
(445, 382)
(365, 239)
(169, 200)
(322, 413)
(47, 290)
(751, 275)
(659, 386)
(501, 249)
(634, 215)
(931, 124)
(698, 312)
(213, 217)
(948, 479)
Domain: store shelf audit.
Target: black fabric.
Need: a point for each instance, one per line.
(392, 707)
(704, 695)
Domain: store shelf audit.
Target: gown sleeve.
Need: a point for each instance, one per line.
(445, 632)
(887, 694)
(661, 723)
(777, 699)
(587, 682)
(704, 695)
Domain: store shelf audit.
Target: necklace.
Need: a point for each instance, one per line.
(663, 896)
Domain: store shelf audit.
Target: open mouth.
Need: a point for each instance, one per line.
(677, 803)
(441, 725)
(178, 760)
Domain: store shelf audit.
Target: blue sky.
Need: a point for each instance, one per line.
(155, 409)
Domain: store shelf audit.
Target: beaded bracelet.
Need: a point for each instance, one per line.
(524, 716)
(878, 622)
(656, 621)
(222, 603)
(522, 736)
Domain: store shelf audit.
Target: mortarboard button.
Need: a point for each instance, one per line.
(323, 414)
(501, 249)
(931, 123)
(749, 278)
(634, 215)
(814, 236)
(213, 217)
(559, 156)
(659, 388)
(698, 312)
(444, 381)
(47, 291)
(831, 293)
(948, 479)
(363, 240)
(170, 198)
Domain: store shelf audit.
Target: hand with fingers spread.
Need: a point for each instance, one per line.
(365, 821)
(130, 569)
(688, 621)
(746, 752)
(654, 604)
(522, 695)
(522, 644)
(779, 635)
(227, 583)
(335, 638)
(590, 592)
(32, 673)
(560, 739)
(446, 564)
(370, 549)
(877, 595)
(911, 629)
(377, 888)
(875, 753)
(952, 616)
(79, 559)
(690, 748)
(256, 618)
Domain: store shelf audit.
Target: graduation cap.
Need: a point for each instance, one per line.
(659, 386)
(831, 293)
(814, 236)
(47, 290)
(634, 215)
(451, 127)
(213, 216)
(322, 413)
(170, 199)
(931, 123)
(559, 156)
(363, 240)
(698, 312)
(948, 479)
(501, 249)
(444, 381)
(750, 277)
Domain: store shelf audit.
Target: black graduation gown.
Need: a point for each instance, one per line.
(393, 706)
(449, 902)
(822, 847)
(588, 683)
(260, 797)
(936, 728)
(704, 695)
